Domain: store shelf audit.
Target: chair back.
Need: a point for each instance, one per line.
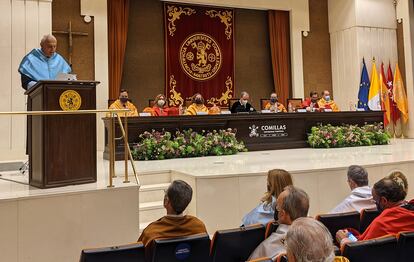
(193, 248)
(235, 245)
(405, 246)
(125, 253)
(378, 250)
(296, 102)
(281, 258)
(261, 259)
(188, 102)
(334, 222)
(151, 102)
(271, 227)
(367, 216)
(232, 101)
(264, 102)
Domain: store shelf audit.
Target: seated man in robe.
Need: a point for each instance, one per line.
(397, 215)
(42, 63)
(291, 204)
(311, 103)
(175, 223)
(274, 105)
(197, 105)
(243, 104)
(123, 103)
(160, 107)
(360, 197)
(327, 103)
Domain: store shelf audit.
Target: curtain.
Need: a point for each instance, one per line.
(279, 35)
(118, 11)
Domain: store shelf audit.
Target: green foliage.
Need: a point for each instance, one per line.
(157, 145)
(328, 136)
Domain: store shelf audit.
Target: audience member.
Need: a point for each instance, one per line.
(396, 214)
(123, 103)
(277, 180)
(197, 105)
(360, 197)
(274, 105)
(175, 223)
(308, 240)
(291, 204)
(243, 104)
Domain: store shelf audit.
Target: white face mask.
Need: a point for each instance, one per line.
(327, 98)
(161, 103)
(244, 102)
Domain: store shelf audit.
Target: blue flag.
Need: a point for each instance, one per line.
(364, 88)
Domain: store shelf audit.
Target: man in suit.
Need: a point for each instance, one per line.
(243, 104)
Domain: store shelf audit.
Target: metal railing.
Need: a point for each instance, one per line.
(113, 114)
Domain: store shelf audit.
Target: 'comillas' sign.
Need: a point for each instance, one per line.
(278, 130)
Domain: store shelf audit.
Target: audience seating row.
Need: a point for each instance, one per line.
(232, 245)
(360, 222)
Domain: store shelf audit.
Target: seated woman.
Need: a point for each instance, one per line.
(277, 180)
(274, 105)
(197, 105)
(160, 107)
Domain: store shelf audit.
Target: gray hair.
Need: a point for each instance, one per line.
(296, 202)
(358, 174)
(243, 93)
(179, 194)
(47, 38)
(308, 240)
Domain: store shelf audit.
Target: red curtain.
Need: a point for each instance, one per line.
(279, 34)
(199, 44)
(118, 11)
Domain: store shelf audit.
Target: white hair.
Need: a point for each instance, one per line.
(308, 240)
(47, 38)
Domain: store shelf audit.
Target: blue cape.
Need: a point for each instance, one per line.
(37, 66)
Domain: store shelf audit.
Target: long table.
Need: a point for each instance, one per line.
(259, 131)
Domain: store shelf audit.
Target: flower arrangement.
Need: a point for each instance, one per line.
(157, 145)
(328, 136)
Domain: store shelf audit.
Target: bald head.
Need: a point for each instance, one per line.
(48, 45)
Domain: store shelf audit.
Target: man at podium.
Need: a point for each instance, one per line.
(42, 63)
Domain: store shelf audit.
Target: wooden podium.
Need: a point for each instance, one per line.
(62, 148)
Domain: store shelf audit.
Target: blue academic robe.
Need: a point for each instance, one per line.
(36, 66)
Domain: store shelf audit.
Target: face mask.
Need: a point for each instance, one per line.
(161, 103)
(198, 101)
(273, 100)
(123, 100)
(244, 102)
(327, 98)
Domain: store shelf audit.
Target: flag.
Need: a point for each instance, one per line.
(400, 96)
(385, 99)
(374, 96)
(363, 88)
(395, 114)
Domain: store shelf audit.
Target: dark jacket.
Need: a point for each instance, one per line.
(238, 107)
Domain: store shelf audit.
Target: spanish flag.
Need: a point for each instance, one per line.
(374, 96)
(400, 97)
(385, 99)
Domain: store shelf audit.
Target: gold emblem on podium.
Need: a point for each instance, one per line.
(200, 57)
(70, 100)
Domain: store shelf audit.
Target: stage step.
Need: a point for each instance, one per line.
(151, 211)
(152, 178)
(152, 193)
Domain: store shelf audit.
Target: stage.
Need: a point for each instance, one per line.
(55, 224)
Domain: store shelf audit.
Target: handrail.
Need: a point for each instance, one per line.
(114, 113)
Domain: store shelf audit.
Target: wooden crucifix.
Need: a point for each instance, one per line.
(70, 34)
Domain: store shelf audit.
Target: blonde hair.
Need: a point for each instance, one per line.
(399, 178)
(277, 180)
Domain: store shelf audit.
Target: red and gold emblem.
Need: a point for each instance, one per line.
(200, 57)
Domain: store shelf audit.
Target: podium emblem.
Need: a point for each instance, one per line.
(200, 57)
(70, 100)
